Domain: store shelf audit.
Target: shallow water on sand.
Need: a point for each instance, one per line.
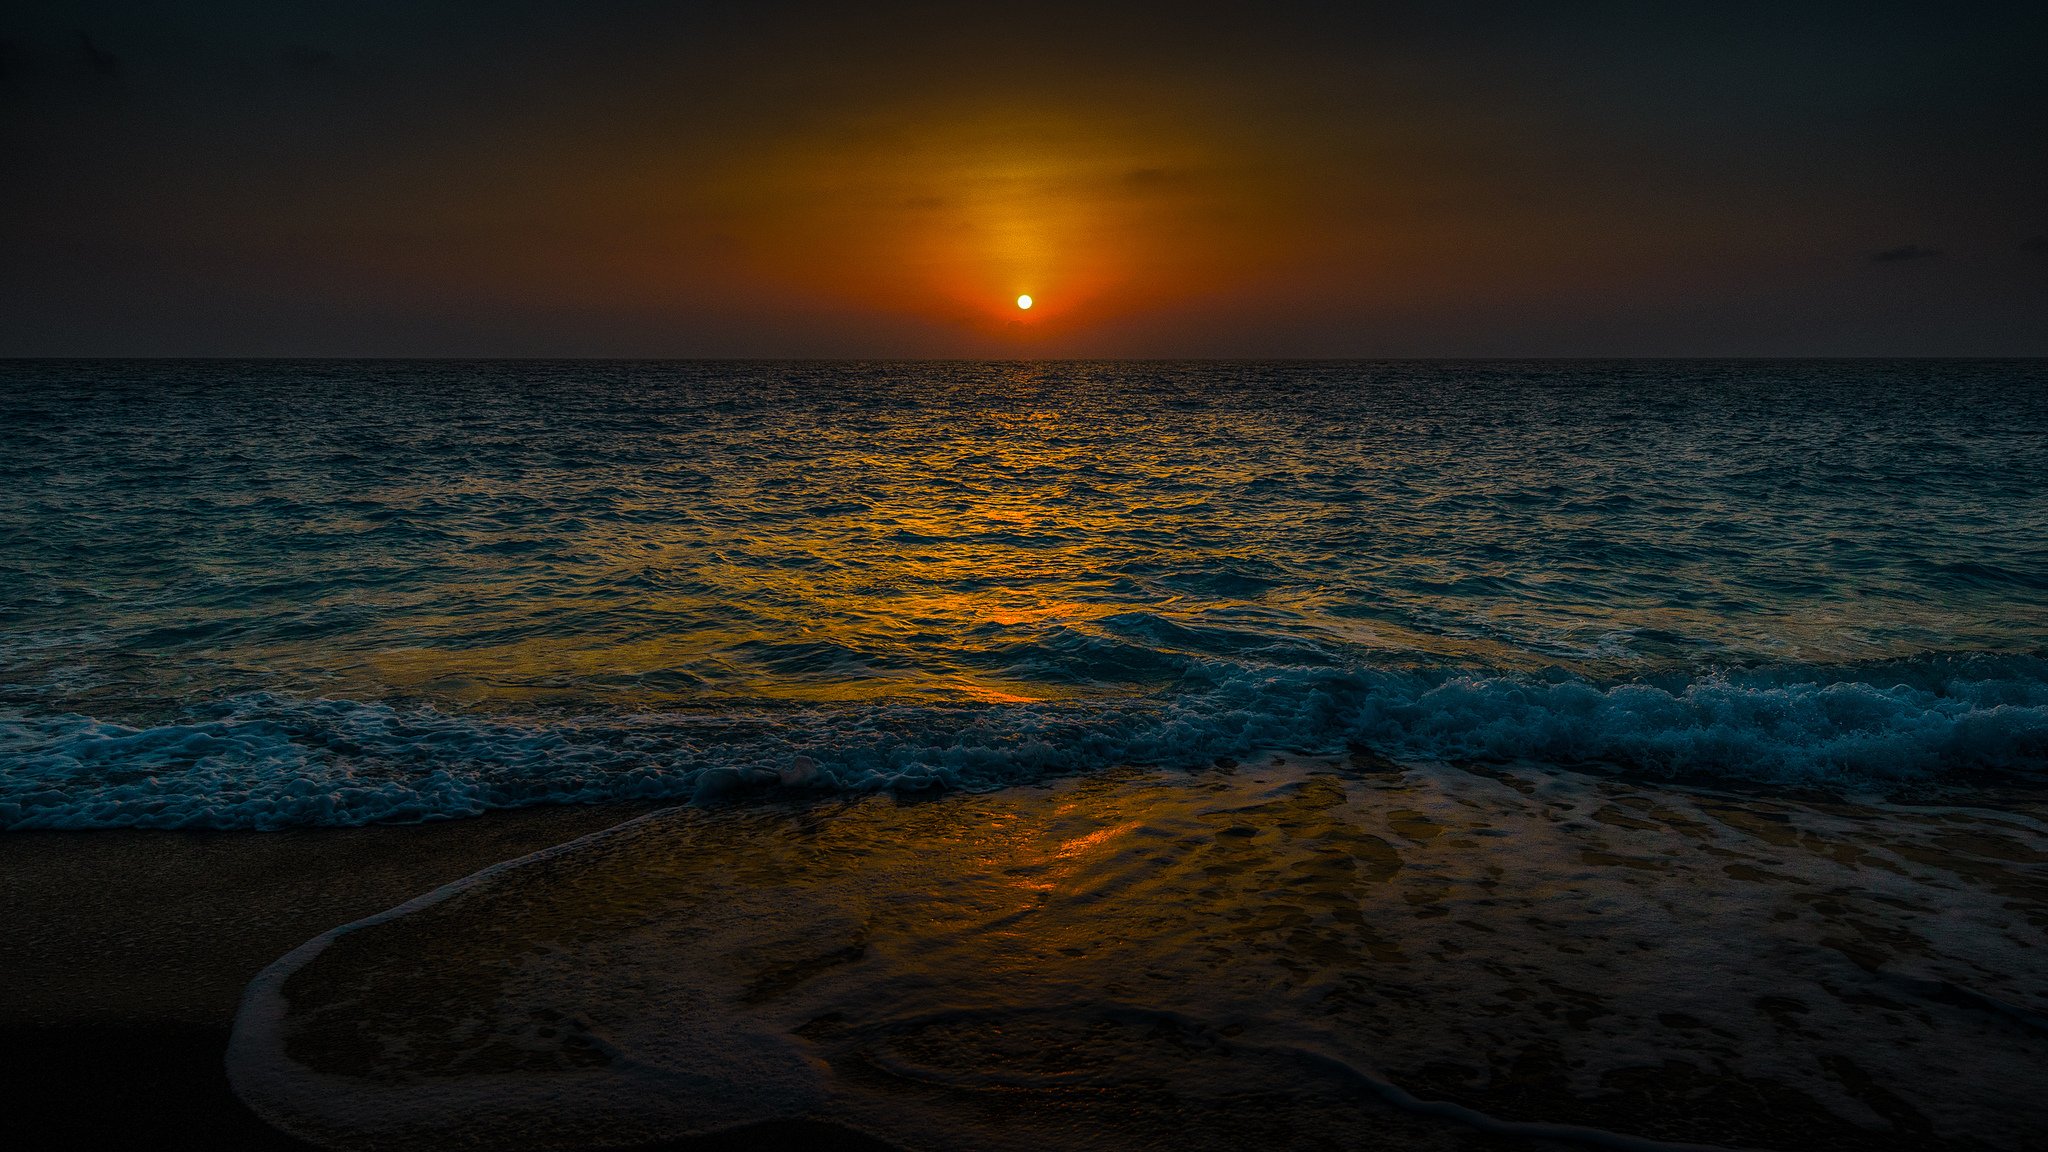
(1291, 953)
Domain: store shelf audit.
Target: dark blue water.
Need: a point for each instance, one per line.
(265, 593)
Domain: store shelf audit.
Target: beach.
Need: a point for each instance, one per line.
(1061, 757)
(1295, 952)
(127, 953)
(1106, 577)
(131, 951)
(1360, 882)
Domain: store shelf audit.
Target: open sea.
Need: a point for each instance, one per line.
(248, 594)
(1077, 757)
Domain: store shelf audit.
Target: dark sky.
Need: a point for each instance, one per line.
(1411, 179)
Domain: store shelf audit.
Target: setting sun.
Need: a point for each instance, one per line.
(1024, 302)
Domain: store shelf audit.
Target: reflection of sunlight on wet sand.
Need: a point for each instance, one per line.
(1134, 959)
(1081, 845)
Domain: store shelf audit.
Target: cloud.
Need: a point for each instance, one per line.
(1903, 253)
(99, 59)
(2038, 245)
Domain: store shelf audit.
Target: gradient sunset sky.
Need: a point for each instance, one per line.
(641, 179)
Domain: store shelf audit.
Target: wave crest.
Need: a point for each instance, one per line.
(265, 761)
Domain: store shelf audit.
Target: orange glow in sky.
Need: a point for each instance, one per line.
(813, 180)
(950, 220)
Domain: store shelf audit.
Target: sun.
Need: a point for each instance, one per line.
(1024, 302)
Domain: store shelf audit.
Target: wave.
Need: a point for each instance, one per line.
(265, 761)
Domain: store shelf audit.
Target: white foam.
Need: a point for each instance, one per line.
(265, 761)
(723, 1071)
(1194, 942)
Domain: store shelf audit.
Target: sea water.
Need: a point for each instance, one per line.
(1281, 954)
(1085, 756)
(249, 594)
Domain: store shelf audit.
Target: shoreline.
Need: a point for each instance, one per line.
(1167, 959)
(128, 950)
(118, 926)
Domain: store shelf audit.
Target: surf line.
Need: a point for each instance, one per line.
(1583, 1135)
(256, 1063)
(257, 1067)
(1313, 1052)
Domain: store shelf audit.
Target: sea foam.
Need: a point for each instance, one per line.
(267, 761)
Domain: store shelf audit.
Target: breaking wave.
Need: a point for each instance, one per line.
(267, 761)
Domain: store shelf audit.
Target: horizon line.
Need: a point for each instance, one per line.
(857, 359)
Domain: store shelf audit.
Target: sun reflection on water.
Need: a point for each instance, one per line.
(657, 536)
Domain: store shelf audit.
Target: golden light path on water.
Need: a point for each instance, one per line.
(1291, 953)
(454, 587)
(896, 570)
(898, 542)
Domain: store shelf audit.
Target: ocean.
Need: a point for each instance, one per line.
(248, 594)
(1080, 756)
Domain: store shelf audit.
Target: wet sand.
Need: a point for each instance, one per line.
(125, 954)
(1128, 961)
(1290, 954)
(126, 926)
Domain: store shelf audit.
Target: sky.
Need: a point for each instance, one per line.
(520, 178)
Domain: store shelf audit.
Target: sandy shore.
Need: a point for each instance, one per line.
(125, 954)
(1168, 958)
(1293, 953)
